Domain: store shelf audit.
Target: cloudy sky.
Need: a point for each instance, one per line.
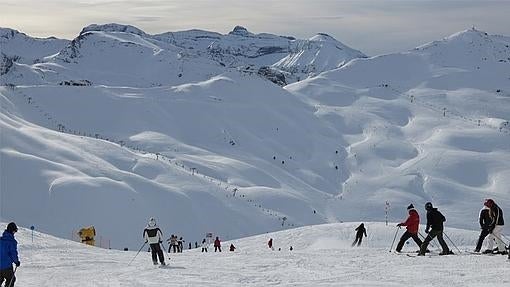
(372, 26)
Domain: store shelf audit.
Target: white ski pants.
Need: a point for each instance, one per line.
(496, 236)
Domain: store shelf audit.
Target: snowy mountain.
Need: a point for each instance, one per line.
(119, 126)
(322, 256)
(318, 54)
(127, 55)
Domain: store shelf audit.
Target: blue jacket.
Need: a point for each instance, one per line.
(8, 250)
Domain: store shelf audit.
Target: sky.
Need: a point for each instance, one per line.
(374, 27)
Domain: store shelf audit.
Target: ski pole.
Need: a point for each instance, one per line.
(499, 238)
(137, 252)
(13, 277)
(452, 242)
(394, 237)
(168, 255)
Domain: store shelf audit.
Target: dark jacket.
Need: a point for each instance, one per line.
(485, 218)
(360, 230)
(435, 219)
(8, 250)
(497, 216)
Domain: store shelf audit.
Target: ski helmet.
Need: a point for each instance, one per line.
(428, 206)
(489, 202)
(411, 206)
(152, 221)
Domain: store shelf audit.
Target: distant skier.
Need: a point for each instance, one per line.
(204, 245)
(172, 243)
(495, 228)
(217, 244)
(412, 223)
(189, 245)
(270, 243)
(154, 237)
(485, 224)
(434, 228)
(180, 243)
(8, 255)
(232, 247)
(360, 230)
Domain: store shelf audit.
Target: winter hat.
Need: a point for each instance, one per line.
(411, 206)
(428, 206)
(11, 227)
(152, 221)
(489, 203)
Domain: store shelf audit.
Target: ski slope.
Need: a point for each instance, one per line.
(322, 256)
(222, 149)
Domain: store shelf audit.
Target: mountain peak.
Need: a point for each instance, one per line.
(113, 27)
(240, 31)
(323, 37)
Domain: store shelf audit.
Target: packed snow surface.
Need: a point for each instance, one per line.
(322, 256)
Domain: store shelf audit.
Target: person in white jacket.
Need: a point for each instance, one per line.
(204, 245)
(154, 237)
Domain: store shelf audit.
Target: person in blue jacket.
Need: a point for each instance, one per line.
(8, 255)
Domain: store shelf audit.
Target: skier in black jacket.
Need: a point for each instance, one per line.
(360, 230)
(485, 223)
(434, 228)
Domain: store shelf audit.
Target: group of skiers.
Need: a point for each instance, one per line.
(491, 223)
(490, 219)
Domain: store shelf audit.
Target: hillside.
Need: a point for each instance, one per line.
(321, 255)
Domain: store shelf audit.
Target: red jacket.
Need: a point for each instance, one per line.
(412, 222)
(217, 243)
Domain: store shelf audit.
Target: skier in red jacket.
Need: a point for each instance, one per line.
(217, 244)
(412, 223)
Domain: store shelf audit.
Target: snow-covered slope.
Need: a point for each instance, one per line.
(223, 150)
(322, 256)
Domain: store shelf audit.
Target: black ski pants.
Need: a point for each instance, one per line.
(217, 248)
(7, 275)
(405, 237)
(432, 234)
(157, 252)
(482, 236)
(359, 238)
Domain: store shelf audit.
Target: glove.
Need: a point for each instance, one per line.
(145, 241)
(426, 231)
(400, 224)
(17, 263)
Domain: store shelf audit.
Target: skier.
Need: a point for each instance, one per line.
(204, 245)
(8, 255)
(485, 223)
(172, 243)
(179, 244)
(232, 247)
(495, 228)
(434, 228)
(154, 237)
(270, 243)
(360, 230)
(412, 223)
(217, 244)
(189, 245)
